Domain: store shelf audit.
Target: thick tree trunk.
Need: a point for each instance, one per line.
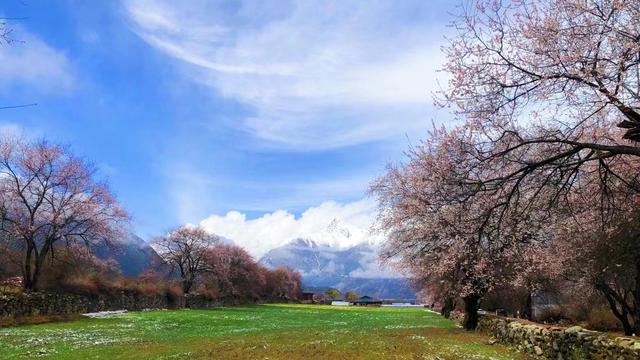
(619, 310)
(27, 280)
(528, 312)
(635, 314)
(35, 277)
(447, 307)
(187, 284)
(471, 312)
(626, 325)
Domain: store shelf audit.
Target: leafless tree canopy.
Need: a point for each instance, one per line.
(184, 249)
(47, 197)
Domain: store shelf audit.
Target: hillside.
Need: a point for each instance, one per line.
(133, 254)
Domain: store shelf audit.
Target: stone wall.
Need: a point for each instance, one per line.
(558, 343)
(46, 303)
(43, 303)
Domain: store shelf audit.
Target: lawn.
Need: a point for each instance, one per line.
(254, 332)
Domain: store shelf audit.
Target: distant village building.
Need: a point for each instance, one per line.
(367, 301)
(314, 294)
(340, 303)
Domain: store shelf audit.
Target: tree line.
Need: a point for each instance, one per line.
(536, 182)
(54, 212)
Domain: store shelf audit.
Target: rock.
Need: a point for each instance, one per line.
(538, 350)
(573, 330)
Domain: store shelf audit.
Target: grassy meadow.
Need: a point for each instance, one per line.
(254, 332)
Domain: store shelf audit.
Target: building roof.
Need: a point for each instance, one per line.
(367, 299)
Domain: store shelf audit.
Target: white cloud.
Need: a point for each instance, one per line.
(318, 74)
(11, 130)
(14, 130)
(331, 223)
(32, 62)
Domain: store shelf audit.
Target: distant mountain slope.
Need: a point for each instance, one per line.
(133, 254)
(350, 269)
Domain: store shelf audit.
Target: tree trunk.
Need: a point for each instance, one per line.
(36, 275)
(186, 285)
(27, 281)
(626, 325)
(620, 313)
(635, 313)
(471, 312)
(447, 307)
(528, 312)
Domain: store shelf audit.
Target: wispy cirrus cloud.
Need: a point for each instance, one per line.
(30, 62)
(318, 74)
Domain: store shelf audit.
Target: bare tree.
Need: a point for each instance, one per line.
(48, 196)
(184, 249)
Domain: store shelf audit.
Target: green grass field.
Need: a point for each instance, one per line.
(254, 332)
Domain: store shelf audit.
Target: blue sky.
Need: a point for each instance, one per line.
(193, 109)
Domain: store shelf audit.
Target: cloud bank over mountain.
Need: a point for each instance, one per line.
(331, 224)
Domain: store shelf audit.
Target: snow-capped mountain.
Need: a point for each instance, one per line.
(353, 268)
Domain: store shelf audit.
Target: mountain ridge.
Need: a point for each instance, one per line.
(354, 268)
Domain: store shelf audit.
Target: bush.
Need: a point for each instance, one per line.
(79, 285)
(552, 314)
(601, 319)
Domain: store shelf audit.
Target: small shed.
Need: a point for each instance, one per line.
(367, 301)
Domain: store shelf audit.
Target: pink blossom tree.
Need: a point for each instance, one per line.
(282, 283)
(184, 249)
(551, 90)
(49, 197)
(233, 273)
(571, 63)
(442, 227)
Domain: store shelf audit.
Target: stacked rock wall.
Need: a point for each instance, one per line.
(558, 343)
(45, 303)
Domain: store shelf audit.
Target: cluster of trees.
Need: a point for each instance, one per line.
(53, 212)
(223, 271)
(332, 294)
(537, 182)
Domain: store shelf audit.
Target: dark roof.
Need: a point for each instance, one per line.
(367, 299)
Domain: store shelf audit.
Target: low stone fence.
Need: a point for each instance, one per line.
(559, 343)
(14, 305)
(45, 303)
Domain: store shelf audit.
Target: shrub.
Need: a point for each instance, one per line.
(601, 319)
(552, 314)
(82, 285)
